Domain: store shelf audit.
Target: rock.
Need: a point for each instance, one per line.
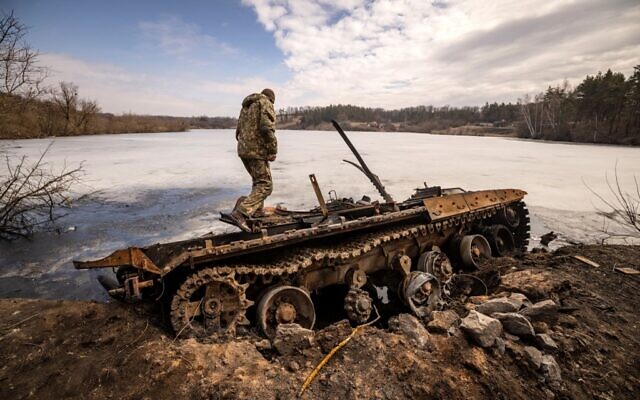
(411, 327)
(292, 338)
(329, 337)
(534, 284)
(499, 305)
(263, 345)
(545, 310)
(499, 346)
(293, 366)
(540, 326)
(524, 301)
(478, 299)
(481, 328)
(568, 321)
(442, 321)
(534, 356)
(548, 393)
(511, 337)
(515, 324)
(551, 370)
(545, 342)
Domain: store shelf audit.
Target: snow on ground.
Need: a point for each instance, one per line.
(148, 188)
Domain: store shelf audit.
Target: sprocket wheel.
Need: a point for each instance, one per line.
(358, 305)
(209, 303)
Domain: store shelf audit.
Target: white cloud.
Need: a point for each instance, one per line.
(118, 90)
(461, 52)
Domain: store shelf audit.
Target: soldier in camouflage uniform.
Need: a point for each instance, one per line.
(257, 146)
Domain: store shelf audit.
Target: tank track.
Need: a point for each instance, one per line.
(522, 232)
(297, 259)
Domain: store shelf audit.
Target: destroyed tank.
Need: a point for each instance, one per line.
(276, 273)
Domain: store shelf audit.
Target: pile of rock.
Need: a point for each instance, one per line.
(520, 325)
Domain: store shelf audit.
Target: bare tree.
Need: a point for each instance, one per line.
(532, 112)
(623, 207)
(20, 73)
(86, 112)
(31, 196)
(67, 100)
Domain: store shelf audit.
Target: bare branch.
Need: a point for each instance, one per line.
(20, 73)
(31, 196)
(623, 208)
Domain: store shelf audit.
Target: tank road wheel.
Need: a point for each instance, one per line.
(510, 216)
(436, 263)
(285, 305)
(421, 292)
(473, 248)
(208, 303)
(501, 240)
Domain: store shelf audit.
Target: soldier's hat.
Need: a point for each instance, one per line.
(270, 94)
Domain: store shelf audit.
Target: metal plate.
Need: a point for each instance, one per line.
(459, 203)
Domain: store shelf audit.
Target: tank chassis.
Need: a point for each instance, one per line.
(215, 283)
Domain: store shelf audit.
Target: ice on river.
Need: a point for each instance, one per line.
(148, 188)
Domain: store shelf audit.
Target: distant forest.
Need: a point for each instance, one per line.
(603, 108)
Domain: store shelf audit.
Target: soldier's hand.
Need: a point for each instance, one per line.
(272, 158)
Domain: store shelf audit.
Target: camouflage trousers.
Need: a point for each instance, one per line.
(261, 188)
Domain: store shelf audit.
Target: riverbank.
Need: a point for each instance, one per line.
(67, 349)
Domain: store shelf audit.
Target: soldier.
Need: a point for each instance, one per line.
(257, 146)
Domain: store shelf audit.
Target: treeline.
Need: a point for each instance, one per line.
(54, 114)
(415, 119)
(603, 108)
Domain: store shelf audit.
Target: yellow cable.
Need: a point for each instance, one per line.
(333, 351)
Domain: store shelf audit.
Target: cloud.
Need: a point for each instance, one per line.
(459, 52)
(118, 90)
(178, 38)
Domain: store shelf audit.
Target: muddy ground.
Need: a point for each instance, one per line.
(88, 350)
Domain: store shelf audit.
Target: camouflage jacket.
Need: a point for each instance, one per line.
(256, 128)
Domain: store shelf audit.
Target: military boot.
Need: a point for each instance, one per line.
(240, 220)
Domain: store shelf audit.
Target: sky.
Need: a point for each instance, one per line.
(191, 57)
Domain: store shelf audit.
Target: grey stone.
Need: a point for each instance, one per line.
(511, 337)
(292, 339)
(515, 324)
(442, 321)
(499, 345)
(499, 305)
(481, 328)
(411, 327)
(551, 370)
(545, 310)
(519, 297)
(545, 342)
(534, 356)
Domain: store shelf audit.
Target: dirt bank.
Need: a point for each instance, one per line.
(84, 350)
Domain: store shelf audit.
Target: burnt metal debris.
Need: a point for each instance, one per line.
(271, 276)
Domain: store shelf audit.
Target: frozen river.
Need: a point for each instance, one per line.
(148, 188)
